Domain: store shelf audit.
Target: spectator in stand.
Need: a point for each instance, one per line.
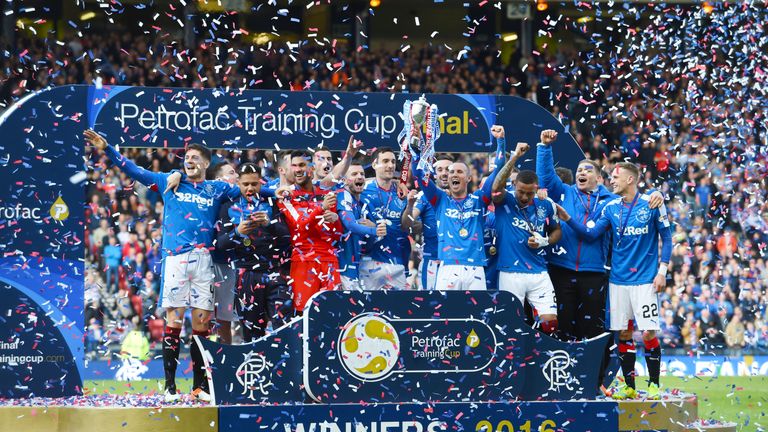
(113, 256)
(712, 330)
(735, 332)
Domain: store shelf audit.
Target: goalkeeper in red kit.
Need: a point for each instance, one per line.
(315, 228)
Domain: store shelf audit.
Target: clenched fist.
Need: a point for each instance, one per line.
(329, 201)
(521, 149)
(548, 136)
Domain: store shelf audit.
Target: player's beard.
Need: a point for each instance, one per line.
(304, 182)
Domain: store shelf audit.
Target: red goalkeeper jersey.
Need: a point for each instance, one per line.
(311, 238)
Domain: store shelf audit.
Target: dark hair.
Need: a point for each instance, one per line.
(204, 151)
(565, 175)
(445, 156)
(381, 150)
(302, 154)
(527, 177)
(632, 168)
(249, 168)
(215, 170)
(358, 161)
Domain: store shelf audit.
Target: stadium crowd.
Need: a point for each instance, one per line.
(712, 172)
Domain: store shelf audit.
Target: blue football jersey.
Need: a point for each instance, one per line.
(380, 204)
(636, 230)
(190, 213)
(514, 226)
(350, 248)
(429, 224)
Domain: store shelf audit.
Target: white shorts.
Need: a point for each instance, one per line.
(224, 284)
(428, 270)
(349, 284)
(537, 288)
(453, 277)
(634, 302)
(377, 275)
(188, 281)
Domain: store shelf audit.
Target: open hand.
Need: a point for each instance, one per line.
(94, 139)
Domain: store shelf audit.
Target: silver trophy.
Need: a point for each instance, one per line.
(419, 109)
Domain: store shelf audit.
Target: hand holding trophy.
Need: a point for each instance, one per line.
(416, 115)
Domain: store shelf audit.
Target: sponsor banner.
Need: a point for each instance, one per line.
(405, 346)
(438, 417)
(265, 371)
(268, 119)
(41, 237)
(133, 370)
(709, 366)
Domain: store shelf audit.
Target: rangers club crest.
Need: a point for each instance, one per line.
(643, 215)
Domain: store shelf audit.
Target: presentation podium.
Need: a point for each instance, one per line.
(417, 361)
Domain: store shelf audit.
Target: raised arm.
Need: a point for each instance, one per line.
(545, 166)
(431, 192)
(500, 182)
(133, 171)
(341, 168)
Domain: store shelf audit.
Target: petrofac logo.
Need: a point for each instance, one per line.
(369, 347)
(59, 211)
(442, 347)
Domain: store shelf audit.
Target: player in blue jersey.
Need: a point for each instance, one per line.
(189, 218)
(525, 225)
(419, 216)
(577, 267)
(637, 273)
(460, 221)
(385, 259)
(356, 228)
(225, 274)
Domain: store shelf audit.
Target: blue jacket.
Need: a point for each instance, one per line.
(571, 252)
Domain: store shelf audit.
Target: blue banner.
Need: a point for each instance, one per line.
(439, 417)
(41, 236)
(41, 198)
(164, 117)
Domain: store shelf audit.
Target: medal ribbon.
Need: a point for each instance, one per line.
(460, 207)
(623, 226)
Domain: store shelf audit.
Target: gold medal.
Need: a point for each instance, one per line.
(247, 241)
(463, 233)
(492, 250)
